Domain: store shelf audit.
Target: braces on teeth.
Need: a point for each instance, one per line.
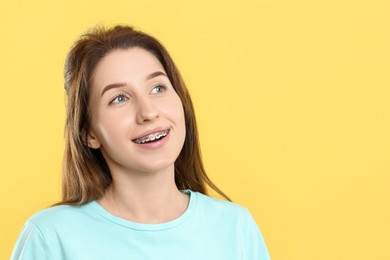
(151, 137)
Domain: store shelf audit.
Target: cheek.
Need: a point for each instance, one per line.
(112, 127)
(181, 121)
(175, 108)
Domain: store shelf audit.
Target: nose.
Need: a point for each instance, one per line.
(146, 111)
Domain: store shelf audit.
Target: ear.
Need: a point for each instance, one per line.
(90, 139)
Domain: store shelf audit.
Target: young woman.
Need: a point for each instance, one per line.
(134, 186)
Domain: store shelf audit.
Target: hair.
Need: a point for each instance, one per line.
(86, 175)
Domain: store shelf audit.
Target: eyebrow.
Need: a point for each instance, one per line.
(155, 74)
(122, 84)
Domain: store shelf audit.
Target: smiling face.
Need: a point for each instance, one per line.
(137, 119)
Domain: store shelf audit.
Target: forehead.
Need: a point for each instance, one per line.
(125, 66)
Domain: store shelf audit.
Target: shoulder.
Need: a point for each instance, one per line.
(39, 236)
(219, 204)
(54, 212)
(58, 217)
(238, 221)
(218, 208)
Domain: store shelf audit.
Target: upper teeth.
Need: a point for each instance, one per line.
(151, 137)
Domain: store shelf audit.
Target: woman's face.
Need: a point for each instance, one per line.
(137, 117)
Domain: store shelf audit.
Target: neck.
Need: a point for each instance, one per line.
(145, 197)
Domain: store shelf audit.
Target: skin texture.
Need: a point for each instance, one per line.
(125, 104)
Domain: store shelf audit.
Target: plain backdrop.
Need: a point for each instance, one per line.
(292, 101)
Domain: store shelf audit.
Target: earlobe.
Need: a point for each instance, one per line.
(91, 140)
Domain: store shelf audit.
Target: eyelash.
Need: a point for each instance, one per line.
(118, 95)
(162, 86)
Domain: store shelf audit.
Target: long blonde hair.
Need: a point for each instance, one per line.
(86, 175)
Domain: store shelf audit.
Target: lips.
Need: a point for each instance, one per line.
(152, 137)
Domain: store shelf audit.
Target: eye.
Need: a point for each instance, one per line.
(119, 99)
(158, 89)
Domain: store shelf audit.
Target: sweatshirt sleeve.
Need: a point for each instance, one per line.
(30, 245)
(254, 245)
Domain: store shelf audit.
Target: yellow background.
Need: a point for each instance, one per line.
(292, 99)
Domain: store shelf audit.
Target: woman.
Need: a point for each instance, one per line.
(134, 186)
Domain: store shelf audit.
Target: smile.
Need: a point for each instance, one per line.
(152, 137)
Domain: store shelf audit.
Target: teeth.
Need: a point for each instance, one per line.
(151, 137)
